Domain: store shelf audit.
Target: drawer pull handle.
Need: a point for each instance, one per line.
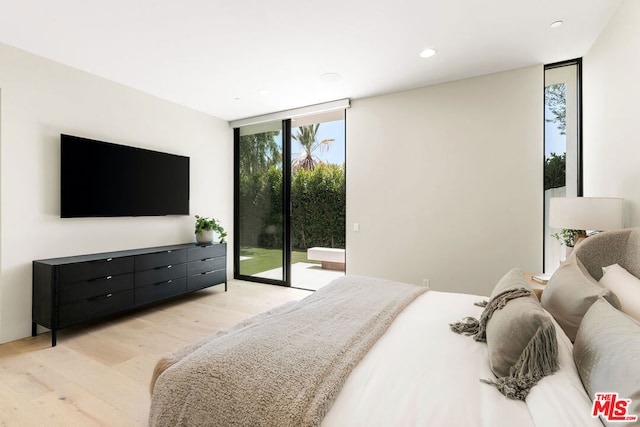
(163, 267)
(101, 278)
(169, 251)
(206, 259)
(109, 259)
(99, 297)
(166, 282)
(208, 272)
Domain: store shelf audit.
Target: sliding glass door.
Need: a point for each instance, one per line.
(290, 196)
(318, 199)
(260, 218)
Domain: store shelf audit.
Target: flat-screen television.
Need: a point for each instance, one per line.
(102, 179)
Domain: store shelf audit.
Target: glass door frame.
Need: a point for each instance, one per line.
(286, 209)
(285, 122)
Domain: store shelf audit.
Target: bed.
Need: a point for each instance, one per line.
(372, 352)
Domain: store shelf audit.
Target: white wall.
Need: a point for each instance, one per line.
(39, 99)
(446, 182)
(611, 113)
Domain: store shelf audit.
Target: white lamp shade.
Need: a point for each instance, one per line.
(586, 213)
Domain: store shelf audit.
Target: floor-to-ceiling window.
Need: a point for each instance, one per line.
(562, 147)
(290, 196)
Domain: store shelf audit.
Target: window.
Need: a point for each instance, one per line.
(562, 147)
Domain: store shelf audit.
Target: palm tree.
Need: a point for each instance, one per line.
(306, 137)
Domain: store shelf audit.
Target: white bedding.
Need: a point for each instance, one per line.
(419, 373)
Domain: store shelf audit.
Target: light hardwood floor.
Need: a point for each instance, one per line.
(98, 374)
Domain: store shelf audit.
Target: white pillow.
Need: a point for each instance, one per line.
(626, 286)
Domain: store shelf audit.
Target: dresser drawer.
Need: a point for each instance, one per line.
(204, 280)
(202, 266)
(87, 270)
(95, 307)
(158, 291)
(160, 259)
(160, 274)
(207, 251)
(77, 291)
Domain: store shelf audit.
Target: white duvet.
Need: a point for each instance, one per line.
(419, 373)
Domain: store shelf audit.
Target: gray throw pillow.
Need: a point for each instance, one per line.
(512, 280)
(511, 329)
(520, 335)
(607, 354)
(569, 294)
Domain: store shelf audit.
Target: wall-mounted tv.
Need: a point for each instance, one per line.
(102, 179)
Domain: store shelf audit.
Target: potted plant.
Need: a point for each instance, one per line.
(205, 227)
(568, 238)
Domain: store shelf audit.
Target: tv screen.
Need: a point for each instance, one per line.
(101, 179)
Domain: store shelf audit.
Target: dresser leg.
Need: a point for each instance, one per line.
(34, 329)
(54, 338)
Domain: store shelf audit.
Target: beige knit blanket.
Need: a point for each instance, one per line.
(282, 368)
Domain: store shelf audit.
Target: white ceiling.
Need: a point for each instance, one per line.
(216, 55)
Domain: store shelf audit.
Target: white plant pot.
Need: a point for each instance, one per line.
(205, 236)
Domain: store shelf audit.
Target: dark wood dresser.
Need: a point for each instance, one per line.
(73, 290)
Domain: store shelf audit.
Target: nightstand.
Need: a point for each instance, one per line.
(537, 286)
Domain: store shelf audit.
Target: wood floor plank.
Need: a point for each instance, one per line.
(139, 368)
(99, 373)
(102, 348)
(71, 405)
(27, 376)
(16, 410)
(99, 380)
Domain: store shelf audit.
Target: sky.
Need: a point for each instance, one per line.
(327, 130)
(554, 142)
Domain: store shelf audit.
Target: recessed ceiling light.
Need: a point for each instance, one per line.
(556, 24)
(428, 53)
(330, 77)
(263, 92)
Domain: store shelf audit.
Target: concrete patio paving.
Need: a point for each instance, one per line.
(304, 275)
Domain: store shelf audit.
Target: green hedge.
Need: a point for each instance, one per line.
(318, 199)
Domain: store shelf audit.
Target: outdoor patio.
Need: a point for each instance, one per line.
(305, 275)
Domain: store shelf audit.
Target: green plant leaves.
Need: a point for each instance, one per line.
(206, 224)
